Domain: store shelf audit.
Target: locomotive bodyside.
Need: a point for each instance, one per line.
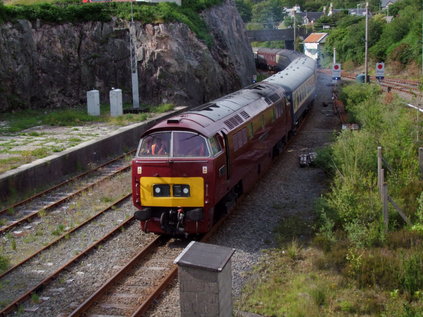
(178, 191)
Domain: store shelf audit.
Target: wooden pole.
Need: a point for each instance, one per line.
(379, 168)
(385, 206)
(382, 181)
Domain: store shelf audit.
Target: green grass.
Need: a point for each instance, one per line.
(21, 120)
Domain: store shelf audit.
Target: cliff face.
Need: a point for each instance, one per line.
(46, 65)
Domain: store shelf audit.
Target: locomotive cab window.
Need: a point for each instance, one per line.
(215, 144)
(188, 144)
(156, 144)
(176, 144)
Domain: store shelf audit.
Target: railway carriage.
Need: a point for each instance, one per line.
(192, 167)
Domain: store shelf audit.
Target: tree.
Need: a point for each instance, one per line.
(269, 12)
(245, 9)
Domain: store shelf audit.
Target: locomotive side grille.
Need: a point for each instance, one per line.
(245, 115)
(234, 121)
(238, 119)
(229, 124)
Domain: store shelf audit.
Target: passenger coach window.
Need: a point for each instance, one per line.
(186, 144)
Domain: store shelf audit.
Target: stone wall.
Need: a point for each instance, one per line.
(54, 65)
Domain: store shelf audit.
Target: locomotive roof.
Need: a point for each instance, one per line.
(295, 74)
(230, 111)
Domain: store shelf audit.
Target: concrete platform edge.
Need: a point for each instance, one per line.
(54, 168)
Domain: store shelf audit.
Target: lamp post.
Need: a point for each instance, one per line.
(133, 62)
(295, 30)
(366, 66)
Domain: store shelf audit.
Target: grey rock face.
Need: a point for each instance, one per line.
(54, 65)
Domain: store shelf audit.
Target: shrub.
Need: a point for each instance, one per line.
(4, 263)
(412, 273)
(75, 11)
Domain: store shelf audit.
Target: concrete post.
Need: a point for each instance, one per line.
(93, 102)
(205, 280)
(116, 108)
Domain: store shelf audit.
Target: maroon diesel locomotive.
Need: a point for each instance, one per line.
(188, 169)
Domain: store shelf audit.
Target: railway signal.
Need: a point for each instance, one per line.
(380, 71)
(336, 71)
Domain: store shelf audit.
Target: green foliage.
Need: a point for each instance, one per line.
(397, 42)
(268, 12)
(245, 9)
(4, 263)
(353, 203)
(75, 11)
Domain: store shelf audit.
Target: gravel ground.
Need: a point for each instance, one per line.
(285, 190)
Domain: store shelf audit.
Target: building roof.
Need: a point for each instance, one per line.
(311, 16)
(315, 37)
(385, 3)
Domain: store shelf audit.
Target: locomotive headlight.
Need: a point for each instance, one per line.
(161, 190)
(181, 190)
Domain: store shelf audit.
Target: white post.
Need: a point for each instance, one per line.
(116, 108)
(93, 102)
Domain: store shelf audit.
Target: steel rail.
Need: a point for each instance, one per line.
(118, 275)
(13, 206)
(65, 235)
(15, 304)
(63, 200)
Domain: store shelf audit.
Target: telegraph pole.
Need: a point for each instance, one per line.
(134, 68)
(295, 31)
(366, 65)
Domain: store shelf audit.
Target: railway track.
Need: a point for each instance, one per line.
(410, 87)
(43, 278)
(130, 291)
(30, 208)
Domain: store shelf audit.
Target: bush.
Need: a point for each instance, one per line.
(353, 204)
(75, 11)
(4, 263)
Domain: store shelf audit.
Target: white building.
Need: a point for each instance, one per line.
(313, 46)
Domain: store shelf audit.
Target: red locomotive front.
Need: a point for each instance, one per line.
(173, 181)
